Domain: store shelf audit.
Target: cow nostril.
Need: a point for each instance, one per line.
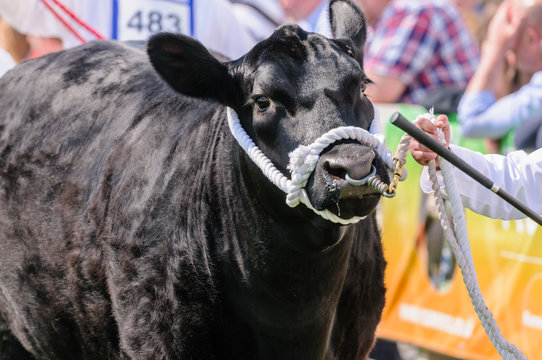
(344, 168)
(335, 170)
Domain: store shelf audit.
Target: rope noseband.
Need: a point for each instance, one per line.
(303, 161)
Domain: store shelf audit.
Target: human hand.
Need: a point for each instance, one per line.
(492, 146)
(504, 27)
(421, 153)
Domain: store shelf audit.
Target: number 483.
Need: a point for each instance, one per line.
(155, 22)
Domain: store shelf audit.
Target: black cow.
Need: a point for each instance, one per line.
(133, 225)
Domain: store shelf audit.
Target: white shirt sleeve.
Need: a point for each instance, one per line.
(518, 173)
(318, 21)
(30, 17)
(258, 25)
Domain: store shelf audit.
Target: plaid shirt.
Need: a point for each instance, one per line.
(425, 43)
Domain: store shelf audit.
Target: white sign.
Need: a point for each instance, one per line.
(139, 19)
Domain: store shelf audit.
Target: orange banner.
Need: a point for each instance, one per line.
(427, 302)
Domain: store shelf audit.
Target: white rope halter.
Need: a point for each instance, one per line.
(303, 161)
(457, 236)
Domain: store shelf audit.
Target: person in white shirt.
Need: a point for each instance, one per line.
(6, 61)
(515, 29)
(518, 173)
(310, 15)
(211, 21)
(259, 17)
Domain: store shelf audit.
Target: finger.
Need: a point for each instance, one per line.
(422, 147)
(443, 124)
(419, 148)
(442, 121)
(423, 157)
(426, 125)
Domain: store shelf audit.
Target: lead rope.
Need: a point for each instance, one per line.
(457, 237)
(303, 162)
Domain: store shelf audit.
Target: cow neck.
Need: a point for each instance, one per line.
(304, 158)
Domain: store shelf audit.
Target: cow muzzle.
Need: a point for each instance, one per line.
(344, 180)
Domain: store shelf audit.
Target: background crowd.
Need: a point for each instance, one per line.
(479, 59)
(442, 53)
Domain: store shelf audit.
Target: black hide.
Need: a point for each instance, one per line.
(132, 225)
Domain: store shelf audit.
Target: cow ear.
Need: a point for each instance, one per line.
(347, 22)
(188, 67)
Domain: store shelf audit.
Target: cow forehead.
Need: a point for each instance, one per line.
(292, 55)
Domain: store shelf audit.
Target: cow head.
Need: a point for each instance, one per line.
(289, 90)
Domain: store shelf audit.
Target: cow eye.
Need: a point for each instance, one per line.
(364, 83)
(262, 103)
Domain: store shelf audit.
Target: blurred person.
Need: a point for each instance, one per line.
(415, 46)
(513, 78)
(514, 35)
(259, 17)
(473, 12)
(519, 173)
(210, 21)
(8, 47)
(310, 15)
(481, 13)
(42, 32)
(6, 61)
(42, 45)
(13, 42)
